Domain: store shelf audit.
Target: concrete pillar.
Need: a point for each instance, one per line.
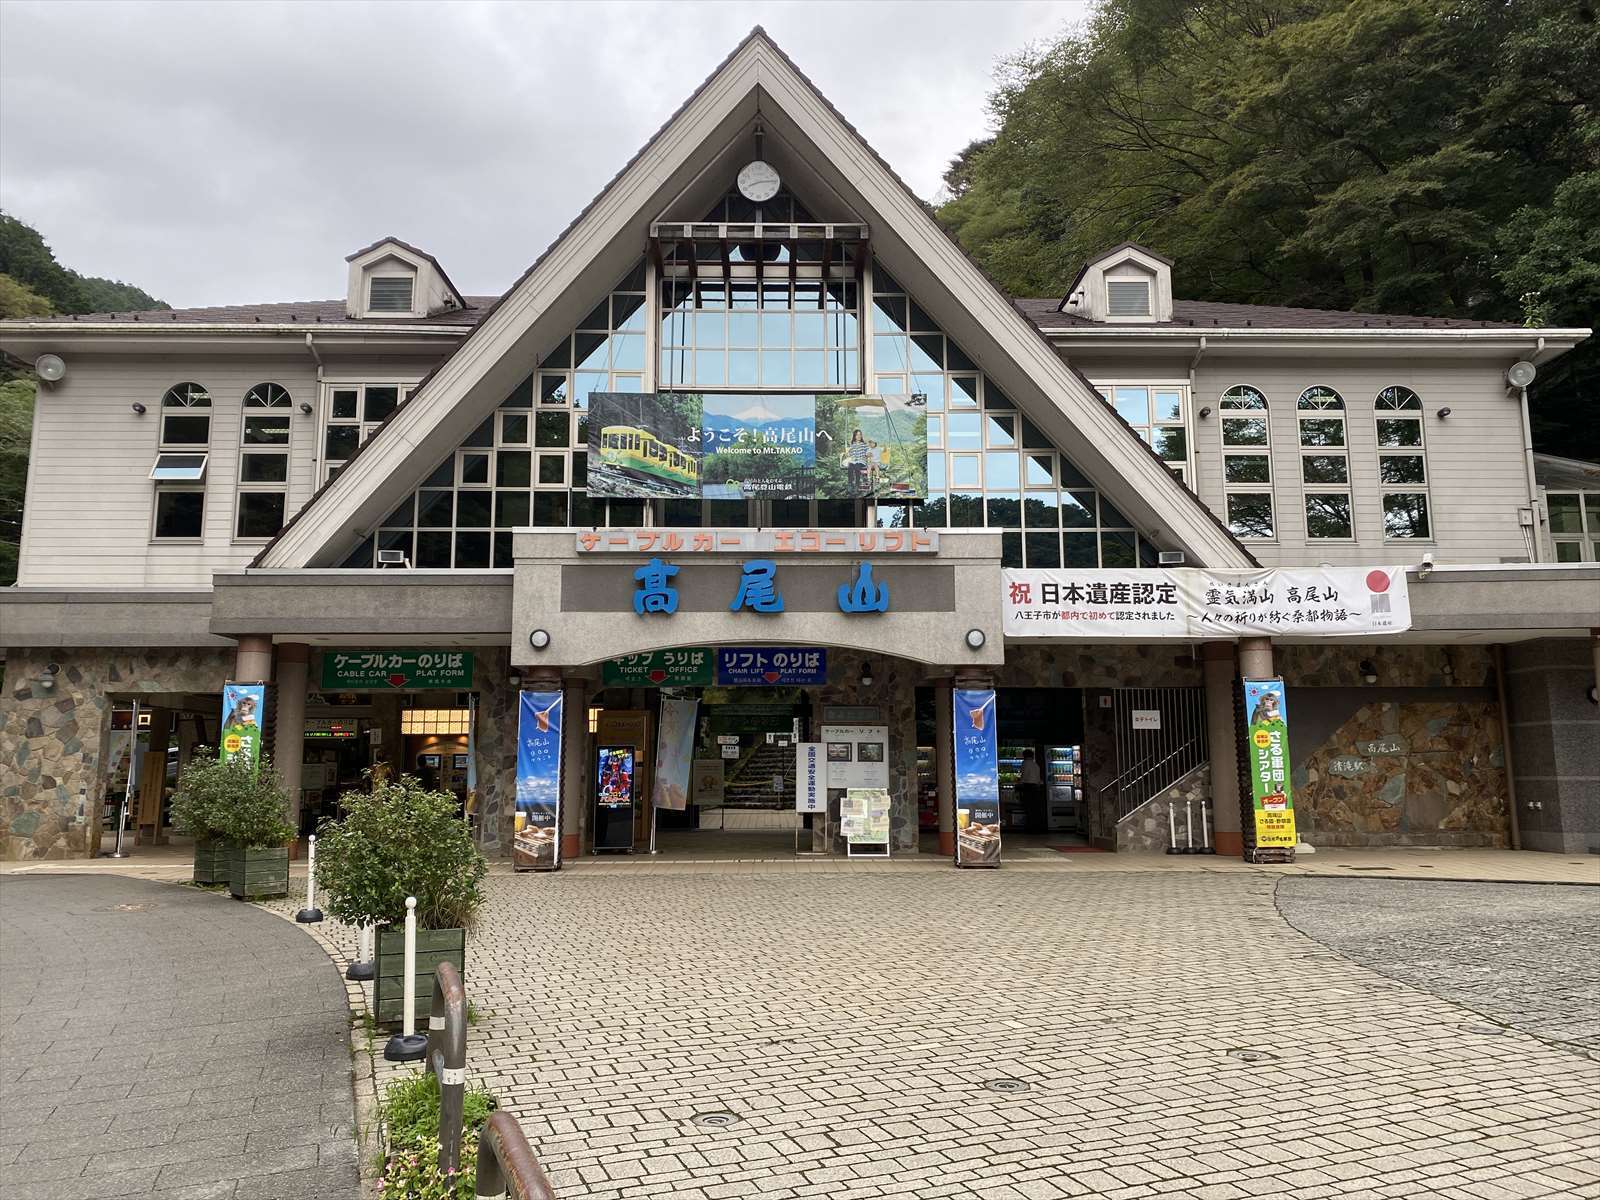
(289, 736)
(574, 761)
(1255, 658)
(253, 663)
(1222, 738)
(944, 765)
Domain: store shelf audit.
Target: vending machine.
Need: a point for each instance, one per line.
(1064, 780)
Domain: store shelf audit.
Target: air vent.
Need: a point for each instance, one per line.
(1128, 297)
(390, 294)
(392, 558)
(1170, 558)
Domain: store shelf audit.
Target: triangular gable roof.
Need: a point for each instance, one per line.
(1100, 258)
(756, 79)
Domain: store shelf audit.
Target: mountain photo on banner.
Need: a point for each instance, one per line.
(1407, 157)
(759, 446)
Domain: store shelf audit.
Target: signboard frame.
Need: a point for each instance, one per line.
(1266, 746)
(975, 745)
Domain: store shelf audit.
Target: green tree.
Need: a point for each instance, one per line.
(18, 300)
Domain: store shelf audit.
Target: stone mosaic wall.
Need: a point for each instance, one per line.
(894, 692)
(1338, 664)
(496, 746)
(1146, 665)
(54, 740)
(1146, 830)
(1426, 772)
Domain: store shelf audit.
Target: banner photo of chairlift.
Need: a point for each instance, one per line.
(758, 445)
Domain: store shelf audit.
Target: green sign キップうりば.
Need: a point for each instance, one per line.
(659, 668)
(376, 670)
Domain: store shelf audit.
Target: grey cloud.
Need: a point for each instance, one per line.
(226, 153)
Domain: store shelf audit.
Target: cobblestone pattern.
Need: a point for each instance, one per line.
(1426, 772)
(1524, 955)
(851, 1021)
(161, 1041)
(53, 740)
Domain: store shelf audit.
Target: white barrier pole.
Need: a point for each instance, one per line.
(408, 1045)
(361, 968)
(1188, 828)
(310, 914)
(1172, 829)
(1205, 829)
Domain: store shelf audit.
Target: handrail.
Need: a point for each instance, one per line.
(447, 1059)
(1133, 780)
(507, 1169)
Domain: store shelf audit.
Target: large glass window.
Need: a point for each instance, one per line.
(185, 417)
(353, 411)
(1247, 462)
(1574, 525)
(180, 514)
(1325, 465)
(263, 481)
(1159, 415)
(1402, 464)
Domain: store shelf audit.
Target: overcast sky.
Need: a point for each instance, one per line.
(227, 153)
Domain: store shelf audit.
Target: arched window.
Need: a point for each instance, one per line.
(263, 461)
(1402, 464)
(1247, 462)
(185, 416)
(1325, 465)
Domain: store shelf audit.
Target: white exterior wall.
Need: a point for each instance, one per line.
(90, 504)
(1477, 479)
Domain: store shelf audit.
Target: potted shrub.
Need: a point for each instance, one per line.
(399, 840)
(197, 809)
(252, 816)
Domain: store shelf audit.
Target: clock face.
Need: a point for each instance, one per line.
(758, 182)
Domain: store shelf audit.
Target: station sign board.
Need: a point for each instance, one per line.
(659, 668)
(772, 666)
(377, 670)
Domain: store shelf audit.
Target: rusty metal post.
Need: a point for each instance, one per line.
(447, 1059)
(507, 1169)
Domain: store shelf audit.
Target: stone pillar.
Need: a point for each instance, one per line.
(1222, 738)
(574, 762)
(1255, 658)
(944, 765)
(253, 662)
(289, 736)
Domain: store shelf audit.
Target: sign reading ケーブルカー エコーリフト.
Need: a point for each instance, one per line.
(1196, 602)
(373, 670)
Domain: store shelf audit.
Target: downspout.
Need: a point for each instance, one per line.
(1505, 742)
(311, 345)
(1194, 459)
(1527, 462)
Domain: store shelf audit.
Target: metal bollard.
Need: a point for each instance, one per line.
(507, 1169)
(1188, 828)
(408, 1045)
(1205, 828)
(1172, 829)
(447, 1059)
(310, 914)
(362, 968)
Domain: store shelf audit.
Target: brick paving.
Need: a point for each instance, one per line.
(850, 1019)
(1523, 955)
(160, 1041)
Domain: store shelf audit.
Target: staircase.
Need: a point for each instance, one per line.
(1150, 761)
(751, 784)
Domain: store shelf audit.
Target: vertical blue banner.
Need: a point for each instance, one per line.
(977, 778)
(538, 815)
(244, 710)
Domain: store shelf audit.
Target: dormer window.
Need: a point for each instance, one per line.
(1128, 297)
(390, 294)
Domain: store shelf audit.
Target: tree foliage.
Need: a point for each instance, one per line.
(1397, 156)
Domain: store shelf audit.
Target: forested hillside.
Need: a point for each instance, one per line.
(34, 284)
(1401, 156)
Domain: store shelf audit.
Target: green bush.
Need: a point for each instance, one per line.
(396, 841)
(411, 1115)
(218, 800)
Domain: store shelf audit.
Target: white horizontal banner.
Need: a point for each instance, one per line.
(1193, 602)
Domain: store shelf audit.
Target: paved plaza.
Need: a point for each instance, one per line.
(160, 1041)
(1175, 1034)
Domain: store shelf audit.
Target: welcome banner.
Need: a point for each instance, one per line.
(977, 778)
(537, 844)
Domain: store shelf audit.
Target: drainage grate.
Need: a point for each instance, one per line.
(719, 1119)
(1247, 1055)
(1007, 1085)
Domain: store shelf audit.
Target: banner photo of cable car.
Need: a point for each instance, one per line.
(758, 445)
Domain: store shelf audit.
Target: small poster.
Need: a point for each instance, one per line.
(707, 781)
(856, 755)
(864, 816)
(977, 779)
(810, 779)
(243, 712)
(537, 844)
(1267, 748)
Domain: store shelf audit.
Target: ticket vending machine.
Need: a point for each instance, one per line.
(613, 797)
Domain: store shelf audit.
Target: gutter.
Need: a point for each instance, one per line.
(164, 328)
(1386, 333)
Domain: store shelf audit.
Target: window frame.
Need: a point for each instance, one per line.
(364, 428)
(1587, 538)
(1385, 408)
(1264, 451)
(162, 441)
(265, 397)
(1307, 404)
(1184, 468)
(162, 489)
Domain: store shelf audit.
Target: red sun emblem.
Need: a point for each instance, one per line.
(1378, 581)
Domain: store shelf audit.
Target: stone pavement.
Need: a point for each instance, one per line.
(1175, 1036)
(1524, 956)
(161, 1041)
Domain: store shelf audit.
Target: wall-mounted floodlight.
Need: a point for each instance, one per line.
(1520, 374)
(51, 368)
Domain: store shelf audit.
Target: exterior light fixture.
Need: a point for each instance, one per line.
(976, 639)
(866, 674)
(47, 677)
(1425, 567)
(138, 408)
(1369, 670)
(515, 679)
(305, 407)
(51, 368)
(1520, 374)
(539, 639)
(1205, 412)
(1444, 412)
(594, 720)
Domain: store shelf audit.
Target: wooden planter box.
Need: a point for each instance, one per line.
(434, 946)
(212, 861)
(254, 874)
